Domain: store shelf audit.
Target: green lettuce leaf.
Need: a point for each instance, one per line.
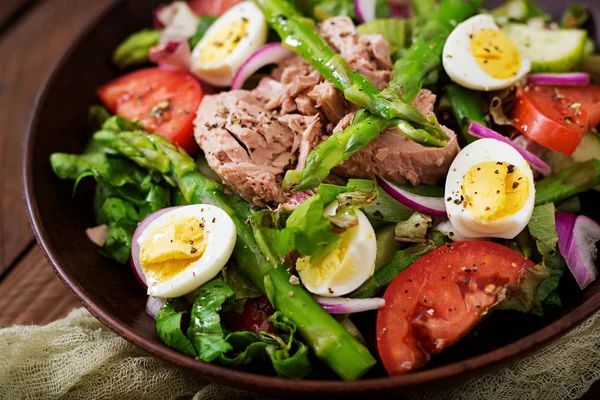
(169, 326)
(536, 291)
(414, 229)
(123, 188)
(241, 286)
(206, 331)
(206, 338)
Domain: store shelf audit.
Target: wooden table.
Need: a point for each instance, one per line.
(33, 33)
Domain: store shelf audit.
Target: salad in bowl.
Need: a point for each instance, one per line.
(318, 185)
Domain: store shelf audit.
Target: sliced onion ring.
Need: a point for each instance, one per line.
(536, 163)
(342, 305)
(154, 305)
(564, 79)
(434, 206)
(365, 10)
(268, 54)
(135, 247)
(577, 237)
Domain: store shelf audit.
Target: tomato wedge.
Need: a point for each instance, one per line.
(254, 318)
(164, 101)
(440, 298)
(212, 7)
(546, 115)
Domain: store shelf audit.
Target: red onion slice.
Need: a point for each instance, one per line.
(365, 10)
(577, 237)
(342, 305)
(270, 53)
(154, 305)
(135, 247)
(536, 163)
(176, 55)
(564, 79)
(400, 8)
(434, 206)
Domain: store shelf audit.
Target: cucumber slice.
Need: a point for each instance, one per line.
(386, 245)
(549, 51)
(397, 32)
(588, 148)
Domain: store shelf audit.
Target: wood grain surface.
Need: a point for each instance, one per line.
(33, 33)
(29, 47)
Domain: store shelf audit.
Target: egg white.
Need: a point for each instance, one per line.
(221, 73)
(466, 225)
(220, 236)
(462, 67)
(357, 264)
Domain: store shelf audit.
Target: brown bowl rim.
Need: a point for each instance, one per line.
(246, 380)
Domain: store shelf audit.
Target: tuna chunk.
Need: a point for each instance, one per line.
(367, 54)
(392, 156)
(245, 145)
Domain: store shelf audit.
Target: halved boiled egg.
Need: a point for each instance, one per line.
(479, 56)
(346, 267)
(490, 191)
(184, 248)
(228, 43)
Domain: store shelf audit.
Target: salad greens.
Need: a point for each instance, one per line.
(138, 173)
(329, 341)
(207, 339)
(125, 193)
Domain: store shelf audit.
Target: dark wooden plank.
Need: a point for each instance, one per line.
(28, 50)
(33, 294)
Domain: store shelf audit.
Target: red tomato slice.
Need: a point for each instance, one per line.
(212, 7)
(164, 101)
(546, 115)
(440, 298)
(254, 318)
(589, 98)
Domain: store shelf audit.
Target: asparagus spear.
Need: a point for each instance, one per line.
(135, 49)
(402, 259)
(466, 108)
(330, 342)
(423, 57)
(301, 37)
(568, 183)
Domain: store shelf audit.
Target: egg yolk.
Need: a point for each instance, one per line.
(496, 53)
(318, 273)
(224, 42)
(172, 248)
(494, 190)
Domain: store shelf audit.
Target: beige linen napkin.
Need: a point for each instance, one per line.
(79, 358)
